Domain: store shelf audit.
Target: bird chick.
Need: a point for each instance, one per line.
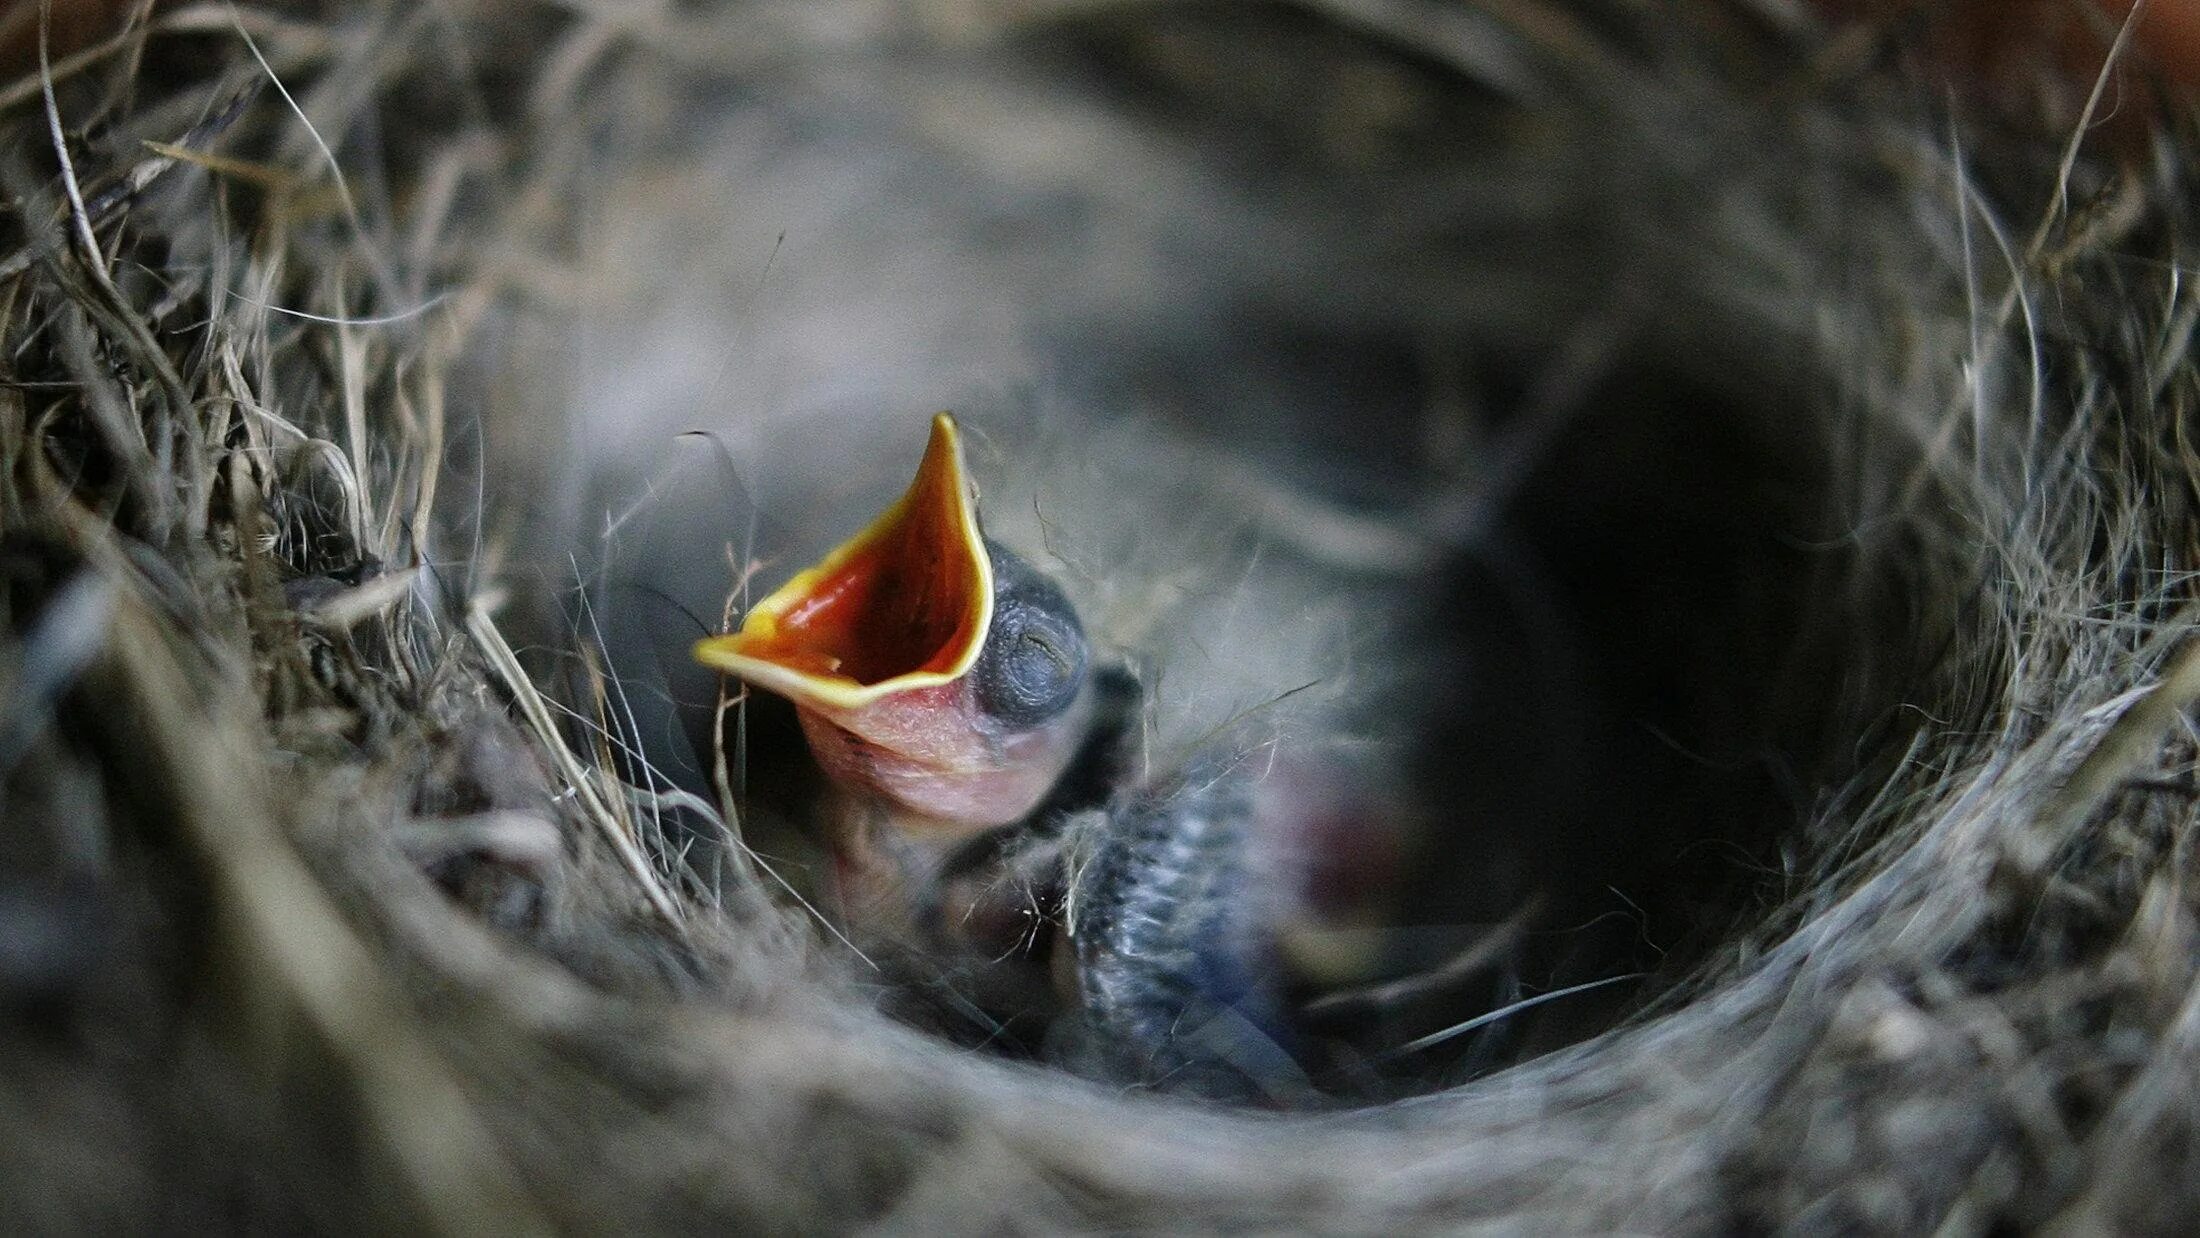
(940, 680)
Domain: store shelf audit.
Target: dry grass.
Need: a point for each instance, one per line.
(328, 901)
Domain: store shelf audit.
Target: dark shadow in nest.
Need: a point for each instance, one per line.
(1657, 657)
(1664, 668)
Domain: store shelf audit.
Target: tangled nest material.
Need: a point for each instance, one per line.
(319, 908)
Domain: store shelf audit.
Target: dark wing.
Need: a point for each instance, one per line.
(1175, 962)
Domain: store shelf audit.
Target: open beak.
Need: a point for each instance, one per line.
(874, 646)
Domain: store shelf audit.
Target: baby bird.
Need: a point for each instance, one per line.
(940, 680)
(947, 689)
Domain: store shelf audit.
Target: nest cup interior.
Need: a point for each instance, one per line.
(1666, 621)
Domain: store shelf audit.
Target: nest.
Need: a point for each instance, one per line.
(1823, 436)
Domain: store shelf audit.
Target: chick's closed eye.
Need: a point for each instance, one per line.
(1034, 661)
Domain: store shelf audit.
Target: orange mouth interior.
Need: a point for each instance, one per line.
(905, 603)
